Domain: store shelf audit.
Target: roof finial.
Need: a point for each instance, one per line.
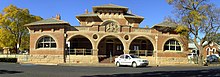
(58, 16)
(86, 11)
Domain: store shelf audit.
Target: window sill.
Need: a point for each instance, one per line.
(45, 48)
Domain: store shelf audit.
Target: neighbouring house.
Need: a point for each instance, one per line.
(103, 34)
(211, 48)
(192, 48)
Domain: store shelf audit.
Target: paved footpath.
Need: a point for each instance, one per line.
(33, 70)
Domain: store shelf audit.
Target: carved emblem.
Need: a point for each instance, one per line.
(112, 27)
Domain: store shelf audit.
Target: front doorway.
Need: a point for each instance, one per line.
(109, 48)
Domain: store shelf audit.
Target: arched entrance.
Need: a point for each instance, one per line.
(80, 45)
(109, 47)
(141, 46)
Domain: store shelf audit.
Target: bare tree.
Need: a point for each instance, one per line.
(201, 18)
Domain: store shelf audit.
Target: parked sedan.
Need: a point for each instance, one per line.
(130, 60)
(212, 59)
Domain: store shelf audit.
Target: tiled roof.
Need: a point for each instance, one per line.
(85, 15)
(132, 16)
(47, 21)
(110, 6)
(166, 26)
(167, 23)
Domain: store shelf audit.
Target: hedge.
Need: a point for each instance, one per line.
(13, 60)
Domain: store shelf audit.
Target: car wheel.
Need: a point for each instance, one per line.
(134, 64)
(118, 64)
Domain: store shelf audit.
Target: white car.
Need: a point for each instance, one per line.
(130, 60)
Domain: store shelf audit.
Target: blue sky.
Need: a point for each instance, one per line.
(153, 11)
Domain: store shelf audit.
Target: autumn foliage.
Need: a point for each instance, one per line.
(12, 29)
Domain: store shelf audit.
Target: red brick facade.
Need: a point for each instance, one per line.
(106, 32)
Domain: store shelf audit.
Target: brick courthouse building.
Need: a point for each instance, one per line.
(106, 32)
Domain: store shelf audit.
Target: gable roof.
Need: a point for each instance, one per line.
(47, 22)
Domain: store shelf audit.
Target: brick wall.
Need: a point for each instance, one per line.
(57, 35)
(81, 59)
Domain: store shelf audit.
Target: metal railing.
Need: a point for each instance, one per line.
(142, 52)
(79, 51)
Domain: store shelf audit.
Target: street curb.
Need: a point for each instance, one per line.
(38, 63)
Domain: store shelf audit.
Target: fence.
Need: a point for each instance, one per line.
(142, 52)
(79, 51)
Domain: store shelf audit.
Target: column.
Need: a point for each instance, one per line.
(126, 51)
(95, 52)
(156, 51)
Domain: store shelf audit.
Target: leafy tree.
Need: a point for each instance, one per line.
(6, 39)
(201, 18)
(12, 29)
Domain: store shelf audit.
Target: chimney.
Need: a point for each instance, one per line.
(58, 17)
(86, 11)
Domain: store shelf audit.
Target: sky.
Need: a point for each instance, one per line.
(153, 11)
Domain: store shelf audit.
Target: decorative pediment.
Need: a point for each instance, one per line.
(112, 27)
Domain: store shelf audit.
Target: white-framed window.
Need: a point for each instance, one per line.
(172, 45)
(208, 51)
(214, 50)
(46, 42)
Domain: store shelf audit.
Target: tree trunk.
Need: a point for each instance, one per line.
(16, 49)
(200, 58)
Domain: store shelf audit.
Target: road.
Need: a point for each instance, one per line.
(30, 70)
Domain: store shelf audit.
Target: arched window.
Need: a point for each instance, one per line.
(172, 45)
(46, 42)
(208, 51)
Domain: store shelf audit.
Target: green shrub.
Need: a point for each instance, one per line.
(13, 60)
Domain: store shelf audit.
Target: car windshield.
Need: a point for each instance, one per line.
(134, 56)
(212, 56)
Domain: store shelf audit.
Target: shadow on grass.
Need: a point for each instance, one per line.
(187, 73)
(9, 72)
